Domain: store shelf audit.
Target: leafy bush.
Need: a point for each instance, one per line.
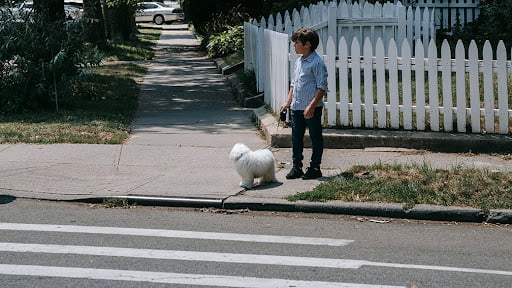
(226, 42)
(214, 16)
(493, 24)
(39, 61)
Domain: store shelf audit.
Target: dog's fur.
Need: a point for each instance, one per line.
(253, 164)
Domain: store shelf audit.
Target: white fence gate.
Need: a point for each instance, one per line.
(388, 21)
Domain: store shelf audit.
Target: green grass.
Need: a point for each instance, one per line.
(417, 184)
(102, 114)
(101, 108)
(139, 49)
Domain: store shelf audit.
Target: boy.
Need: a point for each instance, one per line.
(305, 100)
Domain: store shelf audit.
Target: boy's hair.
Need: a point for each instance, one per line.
(307, 35)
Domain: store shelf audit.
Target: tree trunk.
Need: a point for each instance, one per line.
(50, 10)
(95, 24)
(119, 23)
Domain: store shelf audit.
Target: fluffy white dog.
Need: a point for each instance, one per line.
(253, 164)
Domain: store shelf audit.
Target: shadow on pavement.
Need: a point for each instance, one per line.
(6, 199)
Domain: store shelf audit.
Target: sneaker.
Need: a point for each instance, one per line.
(312, 173)
(295, 173)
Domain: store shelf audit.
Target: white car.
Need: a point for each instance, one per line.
(158, 13)
(172, 3)
(72, 9)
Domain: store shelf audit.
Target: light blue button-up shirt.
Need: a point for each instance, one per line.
(310, 74)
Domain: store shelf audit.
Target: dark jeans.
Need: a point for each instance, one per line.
(299, 124)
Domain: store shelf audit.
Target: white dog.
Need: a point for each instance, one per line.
(253, 164)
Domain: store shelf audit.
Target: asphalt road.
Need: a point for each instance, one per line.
(55, 244)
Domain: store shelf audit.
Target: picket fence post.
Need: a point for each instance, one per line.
(474, 87)
(394, 109)
(343, 81)
(460, 74)
(356, 83)
(420, 85)
(446, 62)
(503, 115)
(433, 85)
(368, 83)
(331, 81)
(381, 83)
(406, 85)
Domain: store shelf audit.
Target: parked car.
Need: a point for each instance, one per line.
(72, 9)
(158, 13)
(22, 10)
(172, 3)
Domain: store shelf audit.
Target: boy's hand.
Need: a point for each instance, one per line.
(284, 107)
(309, 112)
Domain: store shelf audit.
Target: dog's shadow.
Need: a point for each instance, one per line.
(265, 186)
(272, 185)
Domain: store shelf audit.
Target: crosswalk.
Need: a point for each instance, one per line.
(67, 248)
(166, 277)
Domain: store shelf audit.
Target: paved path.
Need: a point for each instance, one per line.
(184, 130)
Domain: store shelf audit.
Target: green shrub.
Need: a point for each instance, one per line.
(226, 42)
(39, 62)
(492, 24)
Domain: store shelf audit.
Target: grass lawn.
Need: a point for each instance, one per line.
(139, 49)
(102, 108)
(417, 184)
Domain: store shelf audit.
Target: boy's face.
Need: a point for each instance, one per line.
(302, 48)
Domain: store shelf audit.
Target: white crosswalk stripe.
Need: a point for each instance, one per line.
(171, 278)
(175, 234)
(183, 255)
(226, 257)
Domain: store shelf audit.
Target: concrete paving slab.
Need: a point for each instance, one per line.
(62, 153)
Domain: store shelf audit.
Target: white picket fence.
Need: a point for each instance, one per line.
(375, 83)
(418, 93)
(429, 92)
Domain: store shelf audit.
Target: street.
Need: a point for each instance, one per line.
(54, 244)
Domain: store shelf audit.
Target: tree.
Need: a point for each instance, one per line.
(50, 10)
(95, 25)
(492, 24)
(120, 19)
(215, 16)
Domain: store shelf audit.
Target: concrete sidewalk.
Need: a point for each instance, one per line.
(178, 152)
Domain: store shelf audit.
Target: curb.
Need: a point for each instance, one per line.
(361, 138)
(159, 201)
(389, 210)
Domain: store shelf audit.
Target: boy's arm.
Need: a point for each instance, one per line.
(310, 110)
(320, 72)
(288, 102)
